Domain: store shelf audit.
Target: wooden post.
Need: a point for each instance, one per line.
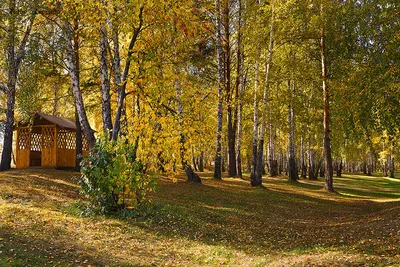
(17, 164)
(28, 147)
(55, 147)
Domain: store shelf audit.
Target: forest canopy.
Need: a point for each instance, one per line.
(234, 85)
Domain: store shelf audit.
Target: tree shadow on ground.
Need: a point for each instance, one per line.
(282, 218)
(273, 219)
(20, 250)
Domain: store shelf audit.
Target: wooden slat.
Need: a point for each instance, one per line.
(23, 153)
(48, 148)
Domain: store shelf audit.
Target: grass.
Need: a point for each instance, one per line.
(218, 223)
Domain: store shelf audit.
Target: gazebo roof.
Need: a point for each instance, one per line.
(45, 119)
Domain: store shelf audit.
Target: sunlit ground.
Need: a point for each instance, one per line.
(218, 223)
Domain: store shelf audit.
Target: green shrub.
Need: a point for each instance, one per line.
(111, 178)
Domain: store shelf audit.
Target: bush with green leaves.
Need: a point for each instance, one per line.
(111, 177)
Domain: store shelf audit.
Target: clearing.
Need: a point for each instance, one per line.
(218, 223)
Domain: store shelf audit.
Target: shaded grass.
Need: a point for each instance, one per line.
(218, 223)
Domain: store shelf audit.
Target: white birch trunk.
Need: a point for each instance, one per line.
(241, 84)
(218, 145)
(292, 168)
(391, 164)
(253, 176)
(15, 55)
(105, 82)
(268, 65)
(73, 70)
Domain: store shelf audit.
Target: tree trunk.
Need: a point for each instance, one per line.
(13, 59)
(391, 163)
(201, 161)
(254, 179)
(190, 173)
(239, 132)
(218, 146)
(339, 169)
(121, 87)
(319, 168)
(224, 158)
(105, 82)
(364, 167)
(239, 136)
(78, 143)
(369, 166)
(56, 98)
(322, 171)
(116, 64)
(386, 163)
(386, 167)
(231, 144)
(273, 163)
(228, 92)
(292, 166)
(327, 131)
(194, 160)
(8, 129)
(268, 66)
(72, 62)
(313, 169)
(303, 160)
(280, 161)
(240, 87)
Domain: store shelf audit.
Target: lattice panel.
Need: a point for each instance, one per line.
(85, 144)
(66, 140)
(36, 142)
(48, 137)
(24, 138)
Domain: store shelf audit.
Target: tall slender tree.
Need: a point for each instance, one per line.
(15, 55)
(292, 165)
(220, 83)
(327, 131)
(254, 179)
(268, 65)
(104, 74)
(228, 90)
(240, 89)
(71, 38)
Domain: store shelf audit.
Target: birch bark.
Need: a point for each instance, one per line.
(268, 65)
(121, 87)
(292, 168)
(254, 179)
(72, 63)
(327, 131)
(105, 82)
(240, 88)
(218, 146)
(15, 55)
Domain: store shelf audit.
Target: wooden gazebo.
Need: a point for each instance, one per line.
(50, 141)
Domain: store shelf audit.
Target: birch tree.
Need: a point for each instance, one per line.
(254, 179)
(16, 12)
(268, 65)
(71, 40)
(104, 74)
(327, 131)
(220, 82)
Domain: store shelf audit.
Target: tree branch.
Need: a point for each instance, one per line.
(122, 87)
(21, 49)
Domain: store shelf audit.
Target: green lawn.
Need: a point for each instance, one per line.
(218, 223)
